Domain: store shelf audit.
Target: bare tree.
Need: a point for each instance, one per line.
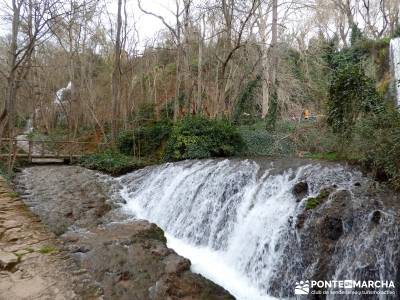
(116, 77)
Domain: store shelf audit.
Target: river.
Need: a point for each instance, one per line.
(240, 223)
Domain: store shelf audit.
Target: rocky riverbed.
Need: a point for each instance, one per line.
(125, 258)
(32, 263)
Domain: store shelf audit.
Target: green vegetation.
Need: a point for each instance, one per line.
(313, 202)
(376, 144)
(260, 141)
(48, 250)
(322, 155)
(347, 88)
(351, 93)
(111, 162)
(145, 140)
(245, 109)
(199, 137)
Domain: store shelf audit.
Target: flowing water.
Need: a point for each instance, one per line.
(395, 59)
(238, 220)
(235, 220)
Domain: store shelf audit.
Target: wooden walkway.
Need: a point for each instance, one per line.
(47, 151)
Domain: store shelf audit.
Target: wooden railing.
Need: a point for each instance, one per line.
(47, 149)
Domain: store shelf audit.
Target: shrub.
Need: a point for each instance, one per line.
(314, 137)
(376, 144)
(144, 140)
(260, 141)
(198, 137)
(111, 162)
(351, 93)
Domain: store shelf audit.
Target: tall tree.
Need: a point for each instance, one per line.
(116, 76)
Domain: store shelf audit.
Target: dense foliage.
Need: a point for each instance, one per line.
(245, 108)
(351, 93)
(145, 140)
(376, 144)
(111, 162)
(260, 141)
(199, 137)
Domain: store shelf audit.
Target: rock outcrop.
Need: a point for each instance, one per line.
(300, 190)
(128, 259)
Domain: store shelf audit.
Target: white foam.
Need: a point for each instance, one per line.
(214, 266)
(395, 59)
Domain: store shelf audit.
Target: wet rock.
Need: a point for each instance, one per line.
(332, 228)
(376, 217)
(323, 195)
(176, 265)
(131, 261)
(7, 260)
(300, 190)
(301, 218)
(66, 196)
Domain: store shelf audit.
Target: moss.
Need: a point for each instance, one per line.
(154, 233)
(48, 250)
(313, 202)
(13, 195)
(384, 84)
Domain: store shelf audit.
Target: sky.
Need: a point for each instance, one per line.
(147, 26)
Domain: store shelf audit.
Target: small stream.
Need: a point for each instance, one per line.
(239, 222)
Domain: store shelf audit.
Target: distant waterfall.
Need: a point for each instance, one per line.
(234, 219)
(395, 61)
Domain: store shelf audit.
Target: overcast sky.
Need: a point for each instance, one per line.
(146, 25)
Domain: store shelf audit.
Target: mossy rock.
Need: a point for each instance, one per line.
(48, 250)
(313, 202)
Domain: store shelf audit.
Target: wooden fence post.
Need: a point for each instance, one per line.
(30, 151)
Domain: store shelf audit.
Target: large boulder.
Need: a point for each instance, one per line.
(300, 190)
(7, 260)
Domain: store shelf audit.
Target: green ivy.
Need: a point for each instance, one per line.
(111, 162)
(245, 108)
(144, 140)
(198, 137)
(351, 93)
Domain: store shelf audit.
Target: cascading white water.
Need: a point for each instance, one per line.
(395, 60)
(59, 97)
(229, 217)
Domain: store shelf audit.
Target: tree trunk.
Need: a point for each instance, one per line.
(116, 76)
(265, 63)
(198, 107)
(273, 107)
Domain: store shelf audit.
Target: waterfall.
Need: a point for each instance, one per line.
(234, 219)
(395, 61)
(60, 94)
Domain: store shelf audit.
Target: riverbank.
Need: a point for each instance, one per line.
(32, 264)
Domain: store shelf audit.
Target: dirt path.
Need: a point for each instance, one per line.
(31, 264)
